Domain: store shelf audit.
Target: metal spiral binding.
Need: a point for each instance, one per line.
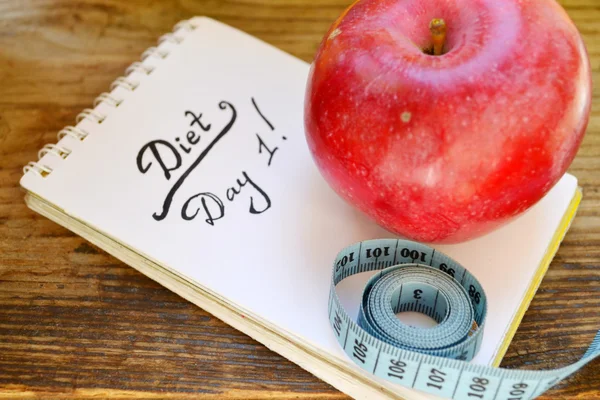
(55, 149)
(40, 169)
(90, 114)
(109, 99)
(154, 52)
(75, 133)
(139, 67)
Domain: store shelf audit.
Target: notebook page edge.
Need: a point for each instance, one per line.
(559, 235)
(340, 373)
(221, 25)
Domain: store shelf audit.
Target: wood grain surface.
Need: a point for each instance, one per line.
(77, 323)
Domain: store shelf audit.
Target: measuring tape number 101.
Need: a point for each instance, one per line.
(415, 277)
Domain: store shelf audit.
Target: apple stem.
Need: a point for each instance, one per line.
(437, 27)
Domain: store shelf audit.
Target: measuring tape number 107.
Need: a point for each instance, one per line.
(415, 277)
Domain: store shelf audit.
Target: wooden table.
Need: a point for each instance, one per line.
(77, 323)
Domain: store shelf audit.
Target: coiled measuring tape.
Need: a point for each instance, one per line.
(415, 277)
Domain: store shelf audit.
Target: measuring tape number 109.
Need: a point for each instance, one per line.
(415, 277)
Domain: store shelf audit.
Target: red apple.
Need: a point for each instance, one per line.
(444, 148)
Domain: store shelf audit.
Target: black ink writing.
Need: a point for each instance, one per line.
(262, 115)
(261, 145)
(234, 191)
(196, 120)
(209, 210)
(169, 156)
(154, 146)
(169, 199)
(192, 138)
(187, 150)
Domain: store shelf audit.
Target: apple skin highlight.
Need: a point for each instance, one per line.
(447, 148)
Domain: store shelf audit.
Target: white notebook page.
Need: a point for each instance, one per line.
(275, 228)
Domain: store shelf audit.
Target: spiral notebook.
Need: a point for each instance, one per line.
(195, 171)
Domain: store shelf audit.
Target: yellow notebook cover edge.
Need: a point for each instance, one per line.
(557, 239)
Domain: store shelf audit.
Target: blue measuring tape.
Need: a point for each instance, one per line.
(415, 277)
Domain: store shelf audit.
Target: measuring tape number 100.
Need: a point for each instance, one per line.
(415, 277)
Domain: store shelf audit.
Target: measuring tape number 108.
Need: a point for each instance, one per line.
(415, 277)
